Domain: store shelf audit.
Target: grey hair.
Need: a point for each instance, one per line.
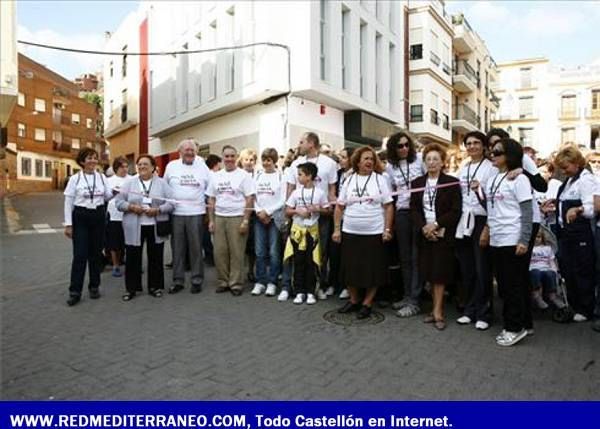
(187, 140)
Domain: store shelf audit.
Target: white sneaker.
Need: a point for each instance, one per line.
(330, 291)
(283, 296)
(464, 320)
(299, 298)
(271, 290)
(258, 289)
(511, 338)
(501, 334)
(344, 294)
(482, 325)
(310, 299)
(320, 294)
(579, 318)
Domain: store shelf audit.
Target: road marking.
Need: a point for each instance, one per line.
(43, 228)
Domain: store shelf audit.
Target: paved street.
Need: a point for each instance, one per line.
(216, 346)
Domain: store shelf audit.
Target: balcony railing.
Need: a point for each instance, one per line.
(463, 67)
(464, 112)
(61, 147)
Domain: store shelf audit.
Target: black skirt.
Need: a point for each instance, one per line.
(436, 261)
(115, 239)
(363, 261)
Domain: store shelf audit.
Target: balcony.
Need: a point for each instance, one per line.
(591, 113)
(61, 147)
(465, 78)
(465, 119)
(463, 41)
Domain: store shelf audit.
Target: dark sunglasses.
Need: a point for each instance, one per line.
(497, 152)
(402, 145)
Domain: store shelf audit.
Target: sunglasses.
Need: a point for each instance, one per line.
(497, 153)
(402, 145)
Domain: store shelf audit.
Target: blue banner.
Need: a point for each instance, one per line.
(300, 414)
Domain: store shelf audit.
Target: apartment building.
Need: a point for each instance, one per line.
(473, 72)
(334, 67)
(47, 127)
(543, 106)
(430, 72)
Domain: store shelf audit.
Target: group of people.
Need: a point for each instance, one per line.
(326, 224)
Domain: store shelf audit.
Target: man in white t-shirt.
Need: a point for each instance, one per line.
(326, 179)
(188, 176)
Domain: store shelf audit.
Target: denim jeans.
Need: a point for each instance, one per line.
(268, 252)
(543, 280)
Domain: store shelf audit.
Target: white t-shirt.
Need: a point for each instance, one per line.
(86, 190)
(270, 191)
(401, 176)
(582, 189)
(503, 209)
(230, 189)
(326, 174)
(530, 167)
(550, 217)
(144, 187)
(115, 182)
(429, 200)
(189, 183)
(302, 198)
(542, 258)
(475, 171)
(364, 217)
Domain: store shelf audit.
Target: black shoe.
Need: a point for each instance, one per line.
(94, 294)
(221, 289)
(236, 291)
(73, 300)
(364, 312)
(196, 288)
(175, 289)
(251, 277)
(349, 308)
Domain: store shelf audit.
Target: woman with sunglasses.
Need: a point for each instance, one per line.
(474, 260)
(508, 232)
(404, 165)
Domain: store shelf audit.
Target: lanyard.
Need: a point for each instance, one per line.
(91, 190)
(364, 189)
(146, 191)
(406, 176)
(431, 195)
(312, 195)
(492, 190)
(469, 178)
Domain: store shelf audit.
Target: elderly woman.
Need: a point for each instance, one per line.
(85, 217)
(435, 209)
(365, 206)
(575, 205)
(144, 201)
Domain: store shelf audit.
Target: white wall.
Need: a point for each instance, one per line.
(8, 59)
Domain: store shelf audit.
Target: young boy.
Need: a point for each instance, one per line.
(304, 205)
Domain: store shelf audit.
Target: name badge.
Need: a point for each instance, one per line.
(146, 200)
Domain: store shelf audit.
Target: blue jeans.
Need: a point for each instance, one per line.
(268, 252)
(543, 279)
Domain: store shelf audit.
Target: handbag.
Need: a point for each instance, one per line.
(163, 228)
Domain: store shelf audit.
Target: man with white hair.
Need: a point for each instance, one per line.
(188, 176)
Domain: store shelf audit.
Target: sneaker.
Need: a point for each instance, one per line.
(557, 302)
(283, 296)
(330, 291)
(399, 304)
(299, 298)
(116, 272)
(320, 294)
(258, 289)
(501, 334)
(464, 320)
(310, 299)
(530, 332)
(539, 302)
(579, 318)
(271, 290)
(344, 294)
(511, 338)
(482, 325)
(409, 310)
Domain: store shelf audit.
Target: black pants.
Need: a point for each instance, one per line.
(88, 240)
(476, 275)
(511, 275)
(535, 228)
(305, 279)
(577, 267)
(133, 263)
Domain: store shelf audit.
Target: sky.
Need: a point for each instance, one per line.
(564, 31)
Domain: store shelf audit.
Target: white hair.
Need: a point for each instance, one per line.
(188, 140)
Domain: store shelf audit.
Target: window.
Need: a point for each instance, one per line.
(416, 113)
(21, 130)
(111, 106)
(39, 168)
(26, 166)
(89, 144)
(75, 119)
(445, 114)
(525, 73)
(124, 64)
(21, 99)
(40, 134)
(526, 136)
(596, 99)
(75, 143)
(48, 168)
(123, 106)
(323, 36)
(434, 117)
(345, 47)
(57, 136)
(568, 106)
(525, 107)
(40, 105)
(435, 59)
(446, 122)
(445, 54)
(378, 68)
(363, 58)
(567, 135)
(89, 123)
(416, 52)
(110, 71)
(434, 100)
(392, 80)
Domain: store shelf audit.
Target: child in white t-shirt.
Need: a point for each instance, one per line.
(543, 273)
(305, 205)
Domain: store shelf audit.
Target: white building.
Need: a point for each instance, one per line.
(343, 77)
(544, 106)
(8, 59)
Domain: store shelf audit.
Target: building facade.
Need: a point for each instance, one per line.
(544, 106)
(46, 129)
(8, 85)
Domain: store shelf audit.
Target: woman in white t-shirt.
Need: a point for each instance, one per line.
(115, 240)
(85, 219)
(231, 199)
(508, 231)
(365, 204)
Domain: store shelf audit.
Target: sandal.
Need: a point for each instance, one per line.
(157, 293)
(128, 296)
(429, 318)
(440, 324)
